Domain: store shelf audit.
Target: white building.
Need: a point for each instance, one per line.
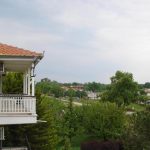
(147, 91)
(92, 95)
(18, 108)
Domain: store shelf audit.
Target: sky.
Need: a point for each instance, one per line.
(83, 40)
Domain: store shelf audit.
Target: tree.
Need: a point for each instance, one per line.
(46, 86)
(70, 93)
(103, 120)
(146, 85)
(81, 94)
(142, 126)
(122, 90)
(57, 91)
(70, 125)
(13, 83)
(45, 135)
(94, 87)
(137, 133)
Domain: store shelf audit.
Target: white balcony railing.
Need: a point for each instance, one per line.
(17, 104)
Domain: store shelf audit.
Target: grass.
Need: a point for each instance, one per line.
(136, 107)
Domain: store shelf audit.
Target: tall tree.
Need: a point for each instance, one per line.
(122, 90)
(70, 125)
(44, 135)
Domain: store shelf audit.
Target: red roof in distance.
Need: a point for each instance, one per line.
(7, 50)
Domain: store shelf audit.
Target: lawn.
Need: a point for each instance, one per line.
(136, 107)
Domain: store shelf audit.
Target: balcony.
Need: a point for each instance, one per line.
(17, 109)
(20, 108)
(17, 104)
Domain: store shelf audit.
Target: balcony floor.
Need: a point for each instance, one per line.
(12, 119)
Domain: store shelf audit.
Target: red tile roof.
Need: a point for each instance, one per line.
(7, 50)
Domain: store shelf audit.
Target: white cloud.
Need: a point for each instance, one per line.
(118, 38)
(26, 36)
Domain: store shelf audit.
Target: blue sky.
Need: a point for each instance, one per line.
(83, 40)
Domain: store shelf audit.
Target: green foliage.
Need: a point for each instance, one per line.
(70, 93)
(66, 144)
(137, 135)
(103, 120)
(73, 93)
(144, 129)
(43, 87)
(57, 91)
(53, 88)
(70, 123)
(123, 89)
(50, 87)
(95, 87)
(13, 83)
(147, 85)
(45, 135)
(81, 94)
(135, 107)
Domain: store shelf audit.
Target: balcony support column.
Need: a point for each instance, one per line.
(29, 82)
(33, 86)
(33, 80)
(0, 83)
(24, 83)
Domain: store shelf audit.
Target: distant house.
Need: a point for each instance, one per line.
(92, 95)
(77, 87)
(65, 88)
(74, 87)
(147, 91)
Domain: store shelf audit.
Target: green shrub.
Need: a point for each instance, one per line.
(137, 135)
(103, 120)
